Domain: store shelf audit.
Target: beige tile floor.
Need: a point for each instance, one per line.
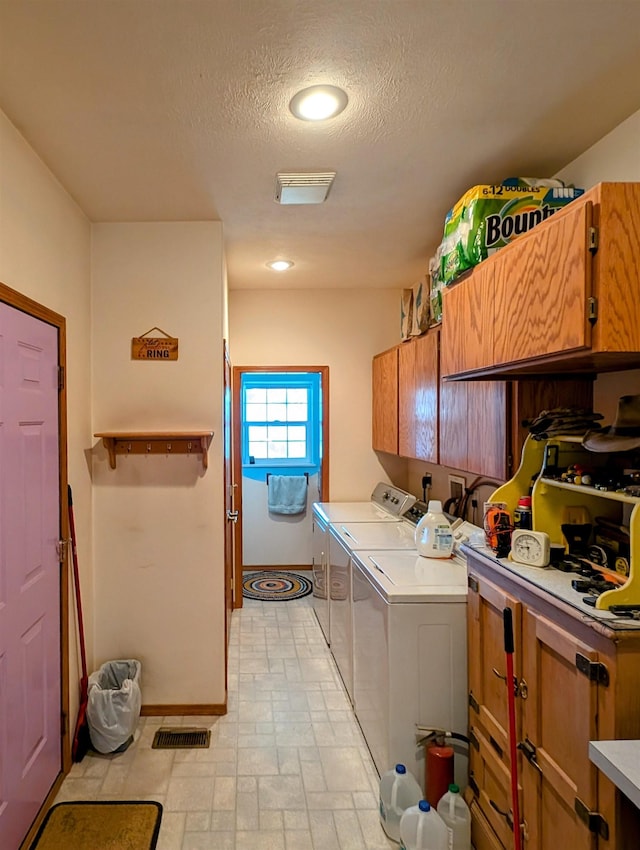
(287, 769)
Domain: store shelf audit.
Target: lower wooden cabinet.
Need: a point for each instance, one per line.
(575, 680)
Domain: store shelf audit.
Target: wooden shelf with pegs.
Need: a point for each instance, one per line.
(156, 442)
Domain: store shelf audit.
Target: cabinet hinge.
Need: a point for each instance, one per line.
(473, 740)
(62, 548)
(592, 239)
(594, 821)
(473, 583)
(529, 752)
(473, 703)
(592, 310)
(595, 671)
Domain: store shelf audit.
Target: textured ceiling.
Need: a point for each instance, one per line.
(156, 110)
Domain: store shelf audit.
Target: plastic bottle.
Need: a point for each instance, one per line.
(422, 828)
(398, 791)
(434, 538)
(455, 813)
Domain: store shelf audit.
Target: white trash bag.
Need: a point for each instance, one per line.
(113, 704)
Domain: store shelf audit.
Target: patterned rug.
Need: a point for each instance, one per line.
(84, 825)
(272, 585)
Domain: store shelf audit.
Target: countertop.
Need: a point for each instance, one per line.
(620, 762)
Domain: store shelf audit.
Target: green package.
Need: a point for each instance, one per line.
(488, 217)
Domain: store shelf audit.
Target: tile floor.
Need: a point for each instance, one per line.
(287, 767)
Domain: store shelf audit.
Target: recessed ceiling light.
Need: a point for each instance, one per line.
(280, 265)
(318, 102)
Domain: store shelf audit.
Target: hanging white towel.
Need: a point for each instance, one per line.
(287, 494)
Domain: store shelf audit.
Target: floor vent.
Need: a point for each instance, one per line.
(182, 738)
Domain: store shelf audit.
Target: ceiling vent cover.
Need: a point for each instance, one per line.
(297, 188)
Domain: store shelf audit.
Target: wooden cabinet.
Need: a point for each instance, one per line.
(385, 402)
(481, 427)
(564, 297)
(418, 397)
(576, 680)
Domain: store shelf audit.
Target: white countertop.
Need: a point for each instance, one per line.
(620, 762)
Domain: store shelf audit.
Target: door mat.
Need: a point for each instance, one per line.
(271, 585)
(131, 825)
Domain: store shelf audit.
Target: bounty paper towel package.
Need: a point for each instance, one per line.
(488, 217)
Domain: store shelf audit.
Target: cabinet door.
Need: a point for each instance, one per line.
(467, 323)
(385, 402)
(493, 780)
(488, 698)
(540, 289)
(559, 718)
(487, 422)
(473, 426)
(418, 398)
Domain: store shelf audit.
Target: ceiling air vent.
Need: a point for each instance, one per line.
(296, 188)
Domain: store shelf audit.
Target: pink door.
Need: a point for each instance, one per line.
(30, 646)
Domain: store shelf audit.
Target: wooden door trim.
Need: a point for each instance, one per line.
(27, 305)
(238, 371)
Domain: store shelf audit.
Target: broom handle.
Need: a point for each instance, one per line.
(511, 702)
(76, 581)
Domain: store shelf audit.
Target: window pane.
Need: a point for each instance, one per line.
(297, 413)
(256, 395)
(276, 395)
(297, 432)
(298, 395)
(255, 412)
(258, 449)
(277, 449)
(257, 432)
(277, 432)
(276, 413)
(297, 449)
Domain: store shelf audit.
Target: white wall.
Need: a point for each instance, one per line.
(158, 520)
(614, 158)
(45, 244)
(341, 329)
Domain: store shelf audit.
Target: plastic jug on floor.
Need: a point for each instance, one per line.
(454, 811)
(422, 828)
(399, 790)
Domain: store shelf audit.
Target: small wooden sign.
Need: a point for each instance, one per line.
(147, 347)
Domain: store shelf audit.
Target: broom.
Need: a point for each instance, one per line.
(81, 739)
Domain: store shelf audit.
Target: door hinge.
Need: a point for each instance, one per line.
(529, 752)
(595, 671)
(594, 821)
(60, 377)
(473, 702)
(62, 547)
(473, 583)
(63, 723)
(592, 310)
(592, 239)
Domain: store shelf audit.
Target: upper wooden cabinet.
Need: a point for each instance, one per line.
(564, 297)
(385, 402)
(418, 397)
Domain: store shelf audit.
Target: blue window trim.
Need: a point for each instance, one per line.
(287, 380)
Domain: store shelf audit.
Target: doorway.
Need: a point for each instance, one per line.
(281, 427)
(33, 569)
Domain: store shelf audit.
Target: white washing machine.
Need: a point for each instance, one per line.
(410, 651)
(387, 504)
(344, 539)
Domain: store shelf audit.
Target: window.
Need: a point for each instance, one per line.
(281, 419)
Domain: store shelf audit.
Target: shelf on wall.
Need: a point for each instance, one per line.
(156, 442)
